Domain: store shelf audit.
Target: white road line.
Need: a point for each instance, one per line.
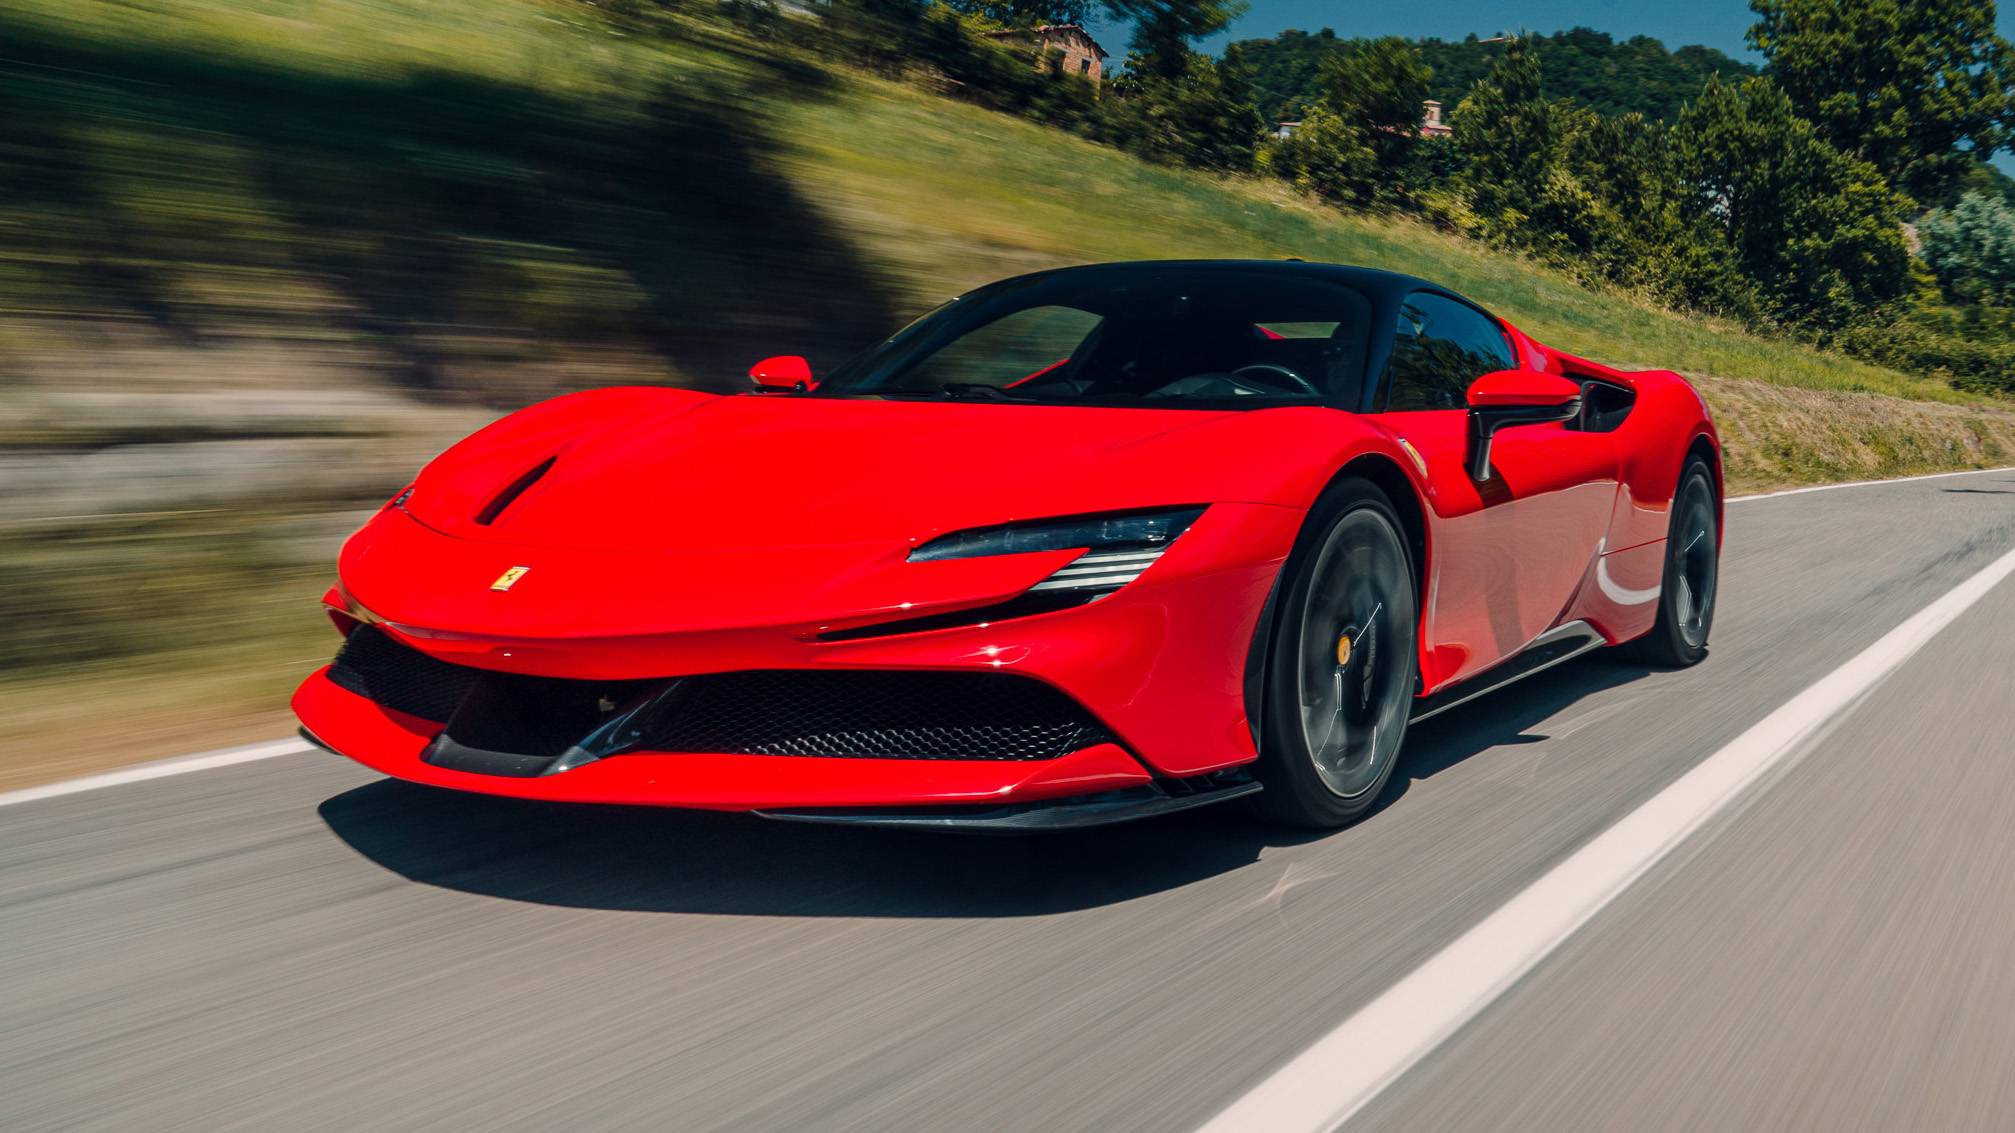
(1323, 1086)
(158, 769)
(1865, 484)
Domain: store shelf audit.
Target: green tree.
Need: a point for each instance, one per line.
(1202, 115)
(1164, 29)
(1915, 88)
(1617, 189)
(1599, 195)
(1380, 86)
(1356, 147)
(1589, 67)
(1971, 247)
(1508, 133)
(1327, 156)
(1023, 13)
(1174, 104)
(1819, 231)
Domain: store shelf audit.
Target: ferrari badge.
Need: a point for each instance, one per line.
(509, 578)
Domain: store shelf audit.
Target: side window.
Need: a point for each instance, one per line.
(1440, 347)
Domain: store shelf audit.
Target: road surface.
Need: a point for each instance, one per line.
(297, 943)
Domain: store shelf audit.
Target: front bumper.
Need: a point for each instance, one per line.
(392, 743)
(1160, 665)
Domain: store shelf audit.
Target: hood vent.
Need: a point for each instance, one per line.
(512, 491)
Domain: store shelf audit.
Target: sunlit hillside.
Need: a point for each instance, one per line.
(259, 257)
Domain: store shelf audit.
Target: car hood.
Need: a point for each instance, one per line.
(677, 471)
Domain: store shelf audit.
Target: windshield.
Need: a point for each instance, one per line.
(1171, 337)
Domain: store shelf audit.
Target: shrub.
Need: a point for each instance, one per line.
(1970, 248)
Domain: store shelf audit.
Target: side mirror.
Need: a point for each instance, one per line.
(1515, 397)
(786, 373)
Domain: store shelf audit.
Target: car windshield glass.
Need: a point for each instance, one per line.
(1148, 336)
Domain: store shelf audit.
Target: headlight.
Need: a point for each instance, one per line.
(1117, 547)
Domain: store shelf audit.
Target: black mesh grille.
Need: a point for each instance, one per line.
(374, 664)
(875, 715)
(833, 713)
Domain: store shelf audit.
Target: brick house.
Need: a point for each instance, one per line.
(1431, 125)
(1081, 53)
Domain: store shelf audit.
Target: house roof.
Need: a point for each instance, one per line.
(1045, 28)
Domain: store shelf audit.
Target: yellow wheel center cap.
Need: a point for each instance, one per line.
(1343, 650)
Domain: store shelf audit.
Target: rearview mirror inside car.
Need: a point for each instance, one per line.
(1515, 397)
(786, 373)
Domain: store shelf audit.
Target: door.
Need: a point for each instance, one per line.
(1510, 551)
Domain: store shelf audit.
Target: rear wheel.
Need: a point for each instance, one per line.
(1692, 573)
(1340, 672)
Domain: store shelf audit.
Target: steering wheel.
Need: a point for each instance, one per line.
(1306, 386)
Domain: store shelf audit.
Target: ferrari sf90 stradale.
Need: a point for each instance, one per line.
(1077, 547)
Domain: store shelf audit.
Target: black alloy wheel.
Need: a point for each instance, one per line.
(1341, 669)
(1692, 573)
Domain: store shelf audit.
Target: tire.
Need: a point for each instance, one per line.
(1692, 575)
(1336, 715)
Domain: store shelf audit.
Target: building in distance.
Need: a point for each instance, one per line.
(1431, 125)
(1081, 53)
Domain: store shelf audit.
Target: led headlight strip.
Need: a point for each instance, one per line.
(1101, 570)
(1117, 547)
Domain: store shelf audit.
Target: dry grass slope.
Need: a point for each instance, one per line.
(1781, 437)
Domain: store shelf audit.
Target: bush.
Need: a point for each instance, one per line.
(1328, 157)
(1977, 367)
(1970, 248)
(1200, 114)
(1359, 146)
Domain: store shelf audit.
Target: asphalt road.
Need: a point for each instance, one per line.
(300, 944)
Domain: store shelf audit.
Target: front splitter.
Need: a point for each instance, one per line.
(1073, 813)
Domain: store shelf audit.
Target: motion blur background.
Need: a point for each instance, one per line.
(259, 259)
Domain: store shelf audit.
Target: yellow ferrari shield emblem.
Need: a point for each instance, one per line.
(509, 578)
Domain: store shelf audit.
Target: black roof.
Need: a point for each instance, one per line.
(1374, 282)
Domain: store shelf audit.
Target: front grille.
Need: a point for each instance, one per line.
(874, 715)
(376, 665)
(838, 714)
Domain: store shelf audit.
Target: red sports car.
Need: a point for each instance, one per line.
(1077, 547)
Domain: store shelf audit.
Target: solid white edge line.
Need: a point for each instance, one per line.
(159, 769)
(1330, 1081)
(1864, 484)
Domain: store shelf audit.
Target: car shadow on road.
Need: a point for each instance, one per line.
(648, 859)
(662, 860)
(1507, 718)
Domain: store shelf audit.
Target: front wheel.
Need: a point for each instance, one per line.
(1692, 574)
(1340, 672)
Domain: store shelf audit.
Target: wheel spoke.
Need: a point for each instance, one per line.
(1348, 707)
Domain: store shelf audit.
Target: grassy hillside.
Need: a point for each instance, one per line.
(945, 196)
(257, 257)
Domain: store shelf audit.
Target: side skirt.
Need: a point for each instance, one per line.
(1561, 643)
